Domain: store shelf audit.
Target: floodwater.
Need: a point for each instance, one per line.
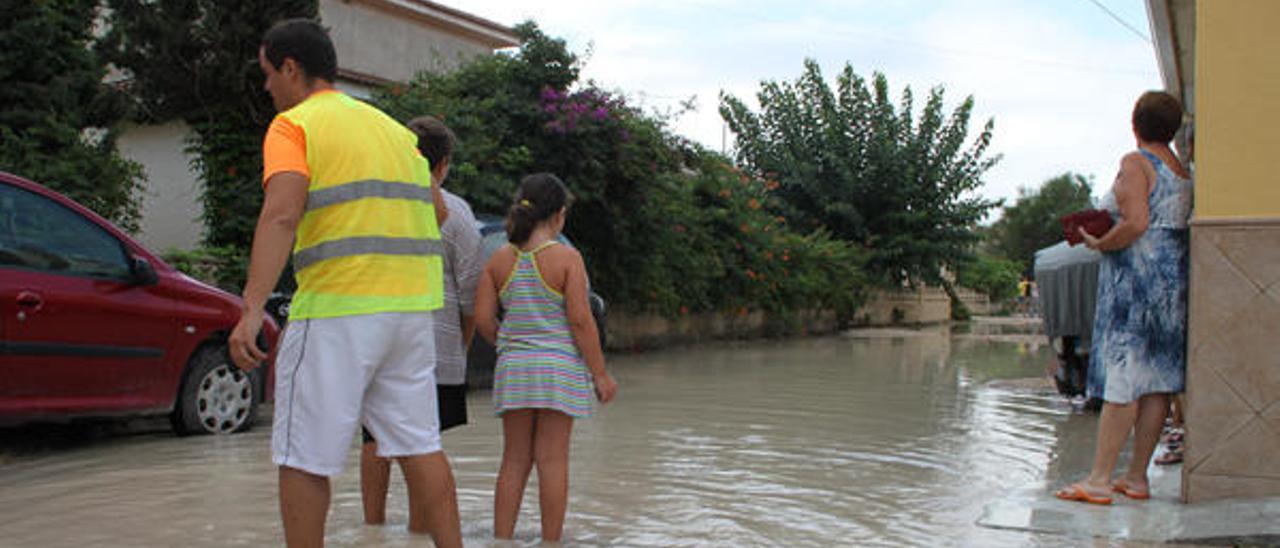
(879, 438)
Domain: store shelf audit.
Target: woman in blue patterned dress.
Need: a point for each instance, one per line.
(1140, 327)
(549, 353)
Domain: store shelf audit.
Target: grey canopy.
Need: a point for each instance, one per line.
(1067, 277)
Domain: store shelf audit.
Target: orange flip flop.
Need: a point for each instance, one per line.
(1078, 494)
(1122, 487)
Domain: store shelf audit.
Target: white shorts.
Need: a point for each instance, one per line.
(332, 374)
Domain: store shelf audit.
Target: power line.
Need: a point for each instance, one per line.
(1118, 19)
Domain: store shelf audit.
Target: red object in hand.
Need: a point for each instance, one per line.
(1096, 222)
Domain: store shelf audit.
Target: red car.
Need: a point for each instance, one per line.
(92, 324)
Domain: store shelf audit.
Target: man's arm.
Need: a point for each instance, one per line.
(282, 208)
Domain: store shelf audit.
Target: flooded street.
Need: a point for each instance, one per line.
(884, 438)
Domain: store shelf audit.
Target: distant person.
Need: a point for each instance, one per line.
(454, 323)
(548, 352)
(1140, 326)
(347, 190)
(1024, 295)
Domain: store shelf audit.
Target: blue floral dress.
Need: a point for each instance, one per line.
(1140, 326)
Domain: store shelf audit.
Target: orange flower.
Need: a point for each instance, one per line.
(768, 255)
(724, 193)
(754, 204)
(745, 229)
(751, 274)
(231, 171)
(771, 185)
(684, 310)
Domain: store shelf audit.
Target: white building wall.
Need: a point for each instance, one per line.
(171, 199)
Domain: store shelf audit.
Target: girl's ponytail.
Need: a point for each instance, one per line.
(539, 197)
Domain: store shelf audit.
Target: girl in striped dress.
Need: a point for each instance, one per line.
(548, 352)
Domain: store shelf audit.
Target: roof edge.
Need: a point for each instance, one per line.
(491, 34)
(1165, 39)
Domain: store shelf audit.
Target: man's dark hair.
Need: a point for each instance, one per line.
(435, 140)
(304, 41)
(1157, 116)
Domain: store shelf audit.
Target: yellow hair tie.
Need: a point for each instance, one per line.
(526, 203)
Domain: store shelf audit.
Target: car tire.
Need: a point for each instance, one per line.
(216, 396)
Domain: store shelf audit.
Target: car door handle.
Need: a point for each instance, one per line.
(28, 299)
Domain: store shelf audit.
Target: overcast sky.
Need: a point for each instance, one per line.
(1058, 76)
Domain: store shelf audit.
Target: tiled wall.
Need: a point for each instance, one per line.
(1233, 369)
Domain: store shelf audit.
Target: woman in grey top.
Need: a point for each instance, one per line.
(454, 322)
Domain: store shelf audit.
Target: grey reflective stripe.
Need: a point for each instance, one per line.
(365, 245)
(347, 192)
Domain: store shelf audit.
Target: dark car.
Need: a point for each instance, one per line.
(481, 357)
(95, 325)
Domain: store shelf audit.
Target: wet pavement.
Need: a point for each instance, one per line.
(871, 438)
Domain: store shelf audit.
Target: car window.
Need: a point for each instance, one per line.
(493, 241)
(40, 234)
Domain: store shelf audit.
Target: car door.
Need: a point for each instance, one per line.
(78, 335)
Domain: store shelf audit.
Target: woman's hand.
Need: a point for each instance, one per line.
(1089, 241)
(606, 387)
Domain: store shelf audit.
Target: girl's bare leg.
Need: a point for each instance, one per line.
(517, 461)
(551, 454)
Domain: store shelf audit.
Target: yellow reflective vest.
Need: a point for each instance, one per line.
(368, 241)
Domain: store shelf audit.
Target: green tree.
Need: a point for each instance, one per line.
(664, 225)
(1031, 223)
(197, 61)
(996, 277)
(57, 118)
(850, 160)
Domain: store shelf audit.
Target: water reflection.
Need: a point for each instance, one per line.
(883, 438)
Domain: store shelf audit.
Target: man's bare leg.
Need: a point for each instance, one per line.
(375, 475)
(304, 505)
(433, 498)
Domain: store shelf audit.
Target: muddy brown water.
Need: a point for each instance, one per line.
(884, 438)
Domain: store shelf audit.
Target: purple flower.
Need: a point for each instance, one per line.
(625, 136)
(549, 107)
(578, 108)
(555, 126)
(600, 114)
(549, 94)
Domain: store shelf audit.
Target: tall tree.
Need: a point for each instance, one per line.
(57, 118)
(846, 158)
(197, 61)
(1031, 223)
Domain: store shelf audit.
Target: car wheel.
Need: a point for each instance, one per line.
(216, 396)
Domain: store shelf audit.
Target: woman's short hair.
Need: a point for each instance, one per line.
(435, 140)
(1157, 116)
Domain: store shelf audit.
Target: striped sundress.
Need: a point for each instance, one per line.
(539, 365)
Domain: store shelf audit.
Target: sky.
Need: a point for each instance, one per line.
(1059, 77)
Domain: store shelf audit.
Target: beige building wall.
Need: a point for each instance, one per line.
(1233, 369)
(377, 39)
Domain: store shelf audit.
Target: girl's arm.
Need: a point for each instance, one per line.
(1132, 189)
(486, 306)
(583, 327)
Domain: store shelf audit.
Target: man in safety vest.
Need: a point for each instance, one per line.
(347, 189)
